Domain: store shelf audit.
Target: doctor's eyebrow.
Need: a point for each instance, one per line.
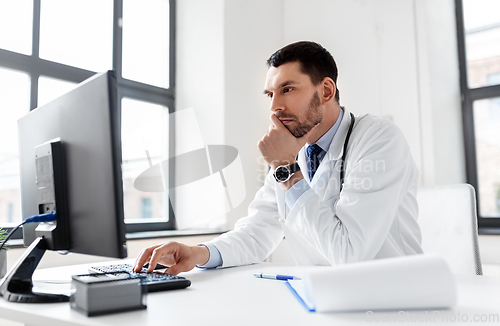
(282, 85)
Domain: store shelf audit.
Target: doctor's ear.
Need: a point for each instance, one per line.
(329, 89)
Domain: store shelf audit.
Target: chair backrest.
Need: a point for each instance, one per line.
(448, 221)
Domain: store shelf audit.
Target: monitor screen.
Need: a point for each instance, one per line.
(86, 123)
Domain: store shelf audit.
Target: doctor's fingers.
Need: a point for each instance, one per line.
(276, 122)
(143, 257)
(165, 254)
(146, 256)
(272, 128)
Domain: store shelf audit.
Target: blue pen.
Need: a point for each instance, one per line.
(276, 276)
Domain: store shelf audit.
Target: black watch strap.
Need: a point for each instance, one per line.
(294, 167)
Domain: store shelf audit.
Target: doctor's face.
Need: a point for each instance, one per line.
(294, 98)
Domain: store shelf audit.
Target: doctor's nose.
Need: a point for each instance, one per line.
(277, 105)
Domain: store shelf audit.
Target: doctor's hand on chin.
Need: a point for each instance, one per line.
(180, 257)
(280, 147)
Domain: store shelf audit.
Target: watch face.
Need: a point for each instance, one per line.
(282, 173)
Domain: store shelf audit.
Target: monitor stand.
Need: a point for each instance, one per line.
(17, 285)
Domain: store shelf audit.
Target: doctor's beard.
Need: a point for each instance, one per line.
(313, 117)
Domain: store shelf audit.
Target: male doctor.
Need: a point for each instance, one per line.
(341, 188)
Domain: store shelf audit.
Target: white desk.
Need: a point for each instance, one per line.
(233, 296)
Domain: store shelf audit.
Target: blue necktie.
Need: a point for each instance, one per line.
(313, 151)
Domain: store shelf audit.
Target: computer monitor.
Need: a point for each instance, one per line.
(76, 136)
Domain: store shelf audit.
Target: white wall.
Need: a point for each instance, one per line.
(200, 65)
(200, 82)
(396, 58)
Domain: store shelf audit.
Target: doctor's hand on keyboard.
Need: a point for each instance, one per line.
(180, 257)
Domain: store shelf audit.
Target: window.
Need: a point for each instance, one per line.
(14, 101)
(141, 37)
(478, 31)
(77, 33)
(497, 186)
(49, 46)
(16, 16)
(145, 130)
(147, 208)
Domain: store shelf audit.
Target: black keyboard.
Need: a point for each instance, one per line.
(154, 282)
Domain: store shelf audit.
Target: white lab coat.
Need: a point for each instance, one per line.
(375, 215)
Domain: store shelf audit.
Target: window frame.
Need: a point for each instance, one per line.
(486, 225)
(35, 67)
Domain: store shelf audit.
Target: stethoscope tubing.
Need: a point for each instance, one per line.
(342, 160)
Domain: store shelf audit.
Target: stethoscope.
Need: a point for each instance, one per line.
(342, 160)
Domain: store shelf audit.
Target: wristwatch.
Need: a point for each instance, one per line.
(283, 173)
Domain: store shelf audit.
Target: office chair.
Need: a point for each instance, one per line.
(448, 221)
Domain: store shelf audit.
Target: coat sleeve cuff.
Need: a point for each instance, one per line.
(215, 259)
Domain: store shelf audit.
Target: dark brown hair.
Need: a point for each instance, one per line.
(315, 61)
